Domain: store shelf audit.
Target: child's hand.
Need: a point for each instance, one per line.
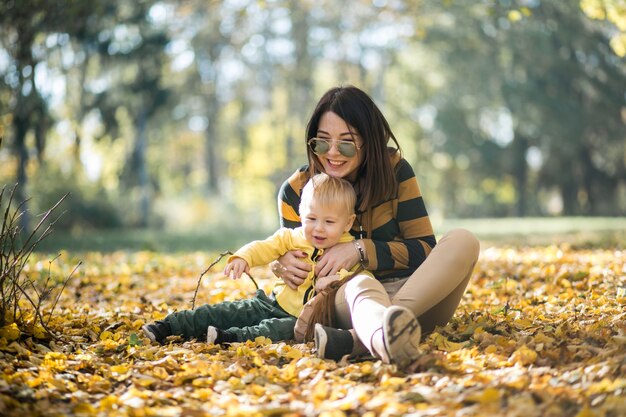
(236, 267)
(323, 282)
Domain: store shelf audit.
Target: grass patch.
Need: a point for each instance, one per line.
(541, 231)
(215, 239)
(577, 231)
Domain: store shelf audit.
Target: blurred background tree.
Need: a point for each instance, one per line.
(190, 114)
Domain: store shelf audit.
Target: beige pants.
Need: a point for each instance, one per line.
(432, 292)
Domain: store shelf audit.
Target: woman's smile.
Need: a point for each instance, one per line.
(334, 128)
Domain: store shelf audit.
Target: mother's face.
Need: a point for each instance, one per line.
(334, 128)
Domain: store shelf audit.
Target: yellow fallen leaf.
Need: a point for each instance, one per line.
(108, 402)
(392, 382)
(106, 335)
(159, 372)
(333, 413)
(320, 390)
(39, 332)
(202, 382)
(544, 339)
(607, 385)
(235, 383)
(523, 356)
(157, 315)
(10, 332)
(84, 408)
(258, 361)
(262, 341)
(522, 323)
(293, 354)
(442, 343)
(491, 349)
(488, 396)
(120, 369)
(54, 361)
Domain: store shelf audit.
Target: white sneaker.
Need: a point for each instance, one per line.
(401, 335)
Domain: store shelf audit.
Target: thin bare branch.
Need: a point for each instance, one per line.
(193, 300)
(61, 291)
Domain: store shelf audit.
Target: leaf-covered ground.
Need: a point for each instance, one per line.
(540, 332)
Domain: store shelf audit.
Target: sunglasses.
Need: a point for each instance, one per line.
(345, 147)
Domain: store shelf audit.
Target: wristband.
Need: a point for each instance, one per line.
(361, 251)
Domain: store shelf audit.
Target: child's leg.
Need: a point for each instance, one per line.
(225, 315)
(275, 329)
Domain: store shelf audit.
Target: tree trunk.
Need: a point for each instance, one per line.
(300, 92)
(520, 172)
(20, 128)
(141, 144)
(569, 193)
(210, 148)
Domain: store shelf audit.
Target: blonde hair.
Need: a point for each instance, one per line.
(328, 191)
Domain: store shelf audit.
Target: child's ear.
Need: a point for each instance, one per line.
(350, 221)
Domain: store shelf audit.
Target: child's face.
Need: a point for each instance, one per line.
(324, 225)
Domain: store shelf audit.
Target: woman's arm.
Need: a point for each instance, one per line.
(398, 247)
(290, 267)
(289, 199)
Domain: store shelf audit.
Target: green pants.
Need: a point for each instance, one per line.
(246, 319)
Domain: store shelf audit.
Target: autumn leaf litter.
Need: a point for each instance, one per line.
(540, 332)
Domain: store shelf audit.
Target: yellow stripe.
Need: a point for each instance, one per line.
(416, 228)
(427, 248)
(289, 213)
(382, 214)
(408, 190)
(400, 255)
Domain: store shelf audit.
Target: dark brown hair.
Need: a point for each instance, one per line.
(324, 309)
(375, 179)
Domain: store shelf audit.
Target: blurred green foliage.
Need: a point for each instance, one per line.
(87, 207)
(573, 231)
(190, 114)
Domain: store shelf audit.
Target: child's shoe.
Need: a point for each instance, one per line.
(217, 336)
(332, 343)
(157, 331)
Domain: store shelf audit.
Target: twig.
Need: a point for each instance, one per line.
(193, 300)
(59, 294)
(14, 256)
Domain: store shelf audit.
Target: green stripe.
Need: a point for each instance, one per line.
(411, 209)
(404, 171)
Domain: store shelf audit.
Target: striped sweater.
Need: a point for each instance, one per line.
(397, 233)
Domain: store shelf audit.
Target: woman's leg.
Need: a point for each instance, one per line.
(435, 289)
(391, 333)
(360, 305)
(432, 293)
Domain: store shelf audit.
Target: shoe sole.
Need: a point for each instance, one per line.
(148, 333)
(211, 335)
(321, 339)
(402, 333)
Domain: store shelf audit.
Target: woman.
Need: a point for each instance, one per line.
(416, 281)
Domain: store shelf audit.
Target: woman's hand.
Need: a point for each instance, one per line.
(342, 255)
(291, 268)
